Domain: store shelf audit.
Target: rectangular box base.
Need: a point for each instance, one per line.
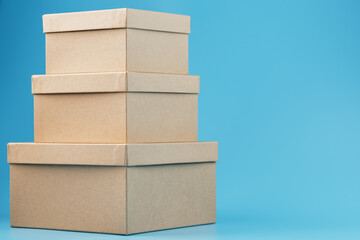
(118, 200)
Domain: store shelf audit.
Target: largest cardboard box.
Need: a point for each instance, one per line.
(116, 40)
(115, 108)
(112, 188)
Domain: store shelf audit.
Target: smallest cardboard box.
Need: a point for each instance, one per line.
(116, 40)
(123, 107)
(112, 188)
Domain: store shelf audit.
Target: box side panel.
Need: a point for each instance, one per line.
(161, 117)
(86, 51)
(157, 52)
(80, 118)
(170, 196)
(76, 198)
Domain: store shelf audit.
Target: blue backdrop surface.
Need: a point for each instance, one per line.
(280, 92)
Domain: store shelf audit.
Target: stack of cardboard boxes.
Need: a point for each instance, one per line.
(116, 146)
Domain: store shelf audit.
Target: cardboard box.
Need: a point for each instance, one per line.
(112, 188)
(115, 108)
(116, 40)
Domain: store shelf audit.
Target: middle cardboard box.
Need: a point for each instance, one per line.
(119, 107)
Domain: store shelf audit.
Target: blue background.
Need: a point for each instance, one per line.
(280, 92)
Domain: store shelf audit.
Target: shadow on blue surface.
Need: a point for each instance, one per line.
(203, 231)
(253, 230)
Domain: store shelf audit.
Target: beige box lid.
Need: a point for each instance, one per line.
(112, 154)
(116, 18)
(114, 82)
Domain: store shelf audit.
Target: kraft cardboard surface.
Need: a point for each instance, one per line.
(77, 187)
(115, 117)
(79, 198)
(123, 107)
(120, 200)
(80, 118)
(176, 196)
(161, 117)
(112, 154)
(86, 51)
(116, 18)
(116, 50)
(115, 125)
(114, 82)
(161, 52)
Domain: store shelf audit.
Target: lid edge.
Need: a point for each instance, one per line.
(125, 155)
(128, 82)
(122, 18)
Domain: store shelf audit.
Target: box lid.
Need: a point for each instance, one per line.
(112, 154)
(114, 82)
(116, 18)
